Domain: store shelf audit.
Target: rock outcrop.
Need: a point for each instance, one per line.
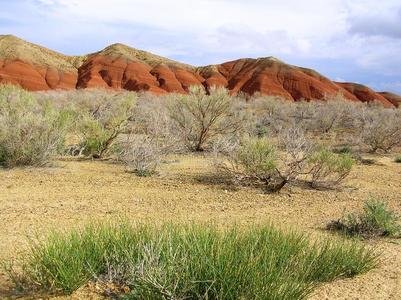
(121, 67)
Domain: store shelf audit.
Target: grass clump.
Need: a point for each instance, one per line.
(376, 219)
(191, 262)
(398, 159)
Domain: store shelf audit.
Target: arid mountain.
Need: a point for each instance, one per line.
(393, 98)
(34, 67)
(121, 67)
(365, 94)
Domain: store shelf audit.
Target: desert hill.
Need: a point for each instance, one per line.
(121, 67)
(393, 98)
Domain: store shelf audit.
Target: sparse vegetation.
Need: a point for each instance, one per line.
(178, 262)
(30, 134)
(375, 220)
(266, 144)
(398, 159)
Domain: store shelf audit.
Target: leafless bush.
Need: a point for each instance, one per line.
(332, 114)
(201, 117)
(272, 114)
(151, 118)
(381, 129)
(141, 155)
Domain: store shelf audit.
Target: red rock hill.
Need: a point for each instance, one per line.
(121, 67)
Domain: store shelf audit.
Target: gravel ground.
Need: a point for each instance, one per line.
(71, 193)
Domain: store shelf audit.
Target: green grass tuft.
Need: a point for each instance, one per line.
(375, 220)
(398, 159)
(191, 262)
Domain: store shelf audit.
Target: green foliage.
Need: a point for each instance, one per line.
(31, 134)
(375, 220)
(258, 157)
(251, 161)
(191, 262)
(398, 159)
(100, 125)
(329, 168)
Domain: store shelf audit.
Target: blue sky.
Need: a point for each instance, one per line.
(346, 40)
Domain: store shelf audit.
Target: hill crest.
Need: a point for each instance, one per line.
(119, 66)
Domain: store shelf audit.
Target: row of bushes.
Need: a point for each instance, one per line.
(133, 129)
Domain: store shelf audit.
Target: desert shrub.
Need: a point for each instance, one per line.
(376, 219)
(100, 122)
(259, 160)
(342, 149)
(200, 117)
(30, 134)
(140, 154)
(190, 262)
(381, 129)
(398, 159)
(272, 114)
(276, 162)
(329, 168)
(332, 114)
(151, 118)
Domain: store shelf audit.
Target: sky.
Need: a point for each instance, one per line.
(345, 40)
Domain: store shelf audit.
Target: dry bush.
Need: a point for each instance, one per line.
(85, 99)
(381, 129)
(272, 114)
(334, 113)
(251, 161)
(200, 117)
(141, 155)
(151, 118)
(30, 133)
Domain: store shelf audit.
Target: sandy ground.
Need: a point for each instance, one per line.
(71, 193)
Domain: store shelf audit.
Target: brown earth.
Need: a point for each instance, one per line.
(72, 193)
(121, 67)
